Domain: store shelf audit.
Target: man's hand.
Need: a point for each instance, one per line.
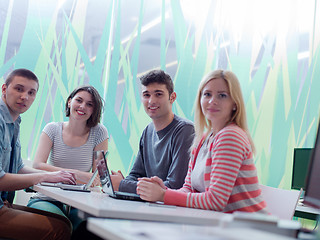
(60, 176)
(116, 178)
(13, 182)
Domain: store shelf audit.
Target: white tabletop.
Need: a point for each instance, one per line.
(307, 209)
(115, 229)
(101, 205)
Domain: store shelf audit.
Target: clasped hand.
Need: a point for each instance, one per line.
(151, 189)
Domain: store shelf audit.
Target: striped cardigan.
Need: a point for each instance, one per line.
(231, 182)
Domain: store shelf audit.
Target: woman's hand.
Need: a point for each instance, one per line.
(84, 177)
(159, 181)
(96, 181)
(151, 189)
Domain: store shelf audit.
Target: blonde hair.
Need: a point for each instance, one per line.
(203, 125)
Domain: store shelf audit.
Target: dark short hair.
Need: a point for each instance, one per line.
(21, 72)
(157, 76)
(97, 104)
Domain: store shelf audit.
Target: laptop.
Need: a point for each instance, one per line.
(75, 187)
(106, 183)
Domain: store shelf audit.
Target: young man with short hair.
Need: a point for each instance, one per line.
(165, 142)
(20, 222)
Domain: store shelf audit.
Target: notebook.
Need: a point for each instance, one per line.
(106, 183)
(76, 187)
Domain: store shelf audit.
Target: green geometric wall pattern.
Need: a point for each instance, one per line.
(272, 46)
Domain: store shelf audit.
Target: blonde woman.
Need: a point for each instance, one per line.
(221, 174)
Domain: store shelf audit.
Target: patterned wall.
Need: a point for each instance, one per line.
(272, 46)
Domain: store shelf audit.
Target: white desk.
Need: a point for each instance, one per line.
(101, 205)
(115, 229)
(304, 211)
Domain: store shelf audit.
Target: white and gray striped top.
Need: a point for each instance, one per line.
(79, 158)
(64, 156)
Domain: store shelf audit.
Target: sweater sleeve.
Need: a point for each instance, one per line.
(227, 151)
(187, 182)
(177, 171)
(129, 184)
(179, 197)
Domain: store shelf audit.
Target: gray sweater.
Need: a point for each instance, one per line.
(164, 154)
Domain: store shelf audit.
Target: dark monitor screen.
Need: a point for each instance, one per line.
(301, 160)
(312, 194)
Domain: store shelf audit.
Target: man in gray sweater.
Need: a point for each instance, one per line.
(165, 143)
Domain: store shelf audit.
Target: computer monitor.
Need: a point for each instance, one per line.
(312, 191)
(301, 160)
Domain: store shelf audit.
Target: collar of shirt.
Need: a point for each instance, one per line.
(6, 114)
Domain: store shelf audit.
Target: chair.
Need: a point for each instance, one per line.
(280, 202)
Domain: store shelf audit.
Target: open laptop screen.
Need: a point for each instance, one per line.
(106, 183)
(104, 175)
